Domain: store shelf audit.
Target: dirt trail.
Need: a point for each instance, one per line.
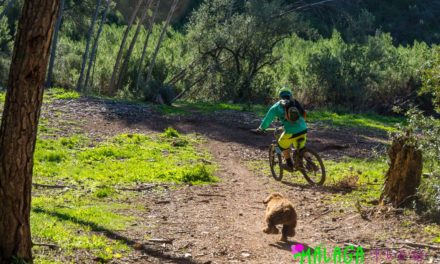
(223, 222)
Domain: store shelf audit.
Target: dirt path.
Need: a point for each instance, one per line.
(223, 222)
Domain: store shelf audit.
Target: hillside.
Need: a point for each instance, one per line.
(407, 21)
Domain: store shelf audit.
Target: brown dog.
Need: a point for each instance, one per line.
(280, 211)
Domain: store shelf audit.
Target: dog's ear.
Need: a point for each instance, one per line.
(271, 196)
(268, 198)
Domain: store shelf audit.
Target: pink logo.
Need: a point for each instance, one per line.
(298, 248)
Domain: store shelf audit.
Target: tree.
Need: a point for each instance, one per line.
(236, 40)
(54, 46)
(95, 44)
(86, 52)
(8, 6)
(144, 50)
(431, 78)
(159, 42)
(111, 88)
(18, 129)
(6, 45)
(132, 44)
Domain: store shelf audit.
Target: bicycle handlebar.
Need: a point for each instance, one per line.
(270, 129)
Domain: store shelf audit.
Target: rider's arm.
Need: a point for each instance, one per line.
(269, 117)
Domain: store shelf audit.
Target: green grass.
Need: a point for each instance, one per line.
(52, 94)
(185, 108)
(76, 222)
(370, 173)
(60, 94)
(332, 118)
(124, 159)
(434, 230)
(78, 219)
(366, 121)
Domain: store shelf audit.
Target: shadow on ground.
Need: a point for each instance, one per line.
(145, 249)
(323, 189)
(235, 126)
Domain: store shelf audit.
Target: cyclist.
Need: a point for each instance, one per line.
(292, 115)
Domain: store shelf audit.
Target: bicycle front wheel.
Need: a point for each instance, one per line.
(313, 168)
(275, 162)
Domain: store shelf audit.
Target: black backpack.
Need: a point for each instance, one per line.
(292, 110)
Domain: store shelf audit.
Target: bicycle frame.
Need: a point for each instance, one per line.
(294, 153)
(277, 131)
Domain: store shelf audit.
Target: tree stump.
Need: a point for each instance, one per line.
(404, 175)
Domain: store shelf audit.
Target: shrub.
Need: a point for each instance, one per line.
(371, 75)
(431, 77)
(197, 174)
(104, 192)
(427, 130)
(170, 133)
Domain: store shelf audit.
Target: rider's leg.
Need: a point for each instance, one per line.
(284, 143)
(299, 144)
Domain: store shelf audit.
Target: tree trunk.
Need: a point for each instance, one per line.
(404, 175)
(18, 129)
(8, 6)
(132, 44)
(95, 44)
(144, 50)
(86, 52)
(159, 42)
(111, 88)
(54, 46)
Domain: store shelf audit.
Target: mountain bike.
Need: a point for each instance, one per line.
(311, 165)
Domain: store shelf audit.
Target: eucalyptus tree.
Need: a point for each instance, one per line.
(159, 42)
(54, 45)
(132, 44)
(18, 130)
(86, 52)
(95, 44)
(144, 50)
(111, 88)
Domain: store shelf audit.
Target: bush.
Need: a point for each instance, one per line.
(170, 133)
(431, 77)
(429, 194)
(373, 75)
(427, 130)
(197, 174)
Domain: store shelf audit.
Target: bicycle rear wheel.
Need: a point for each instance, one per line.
(313, 168)
(275, 161)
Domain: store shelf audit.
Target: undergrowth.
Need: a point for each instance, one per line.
(124, 159)
(89, 212)
(352, 179)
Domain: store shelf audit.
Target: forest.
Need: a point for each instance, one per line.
(132, 130)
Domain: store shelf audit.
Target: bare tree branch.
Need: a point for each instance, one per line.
(301, 7)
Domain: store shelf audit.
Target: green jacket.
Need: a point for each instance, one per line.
(277, 110)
